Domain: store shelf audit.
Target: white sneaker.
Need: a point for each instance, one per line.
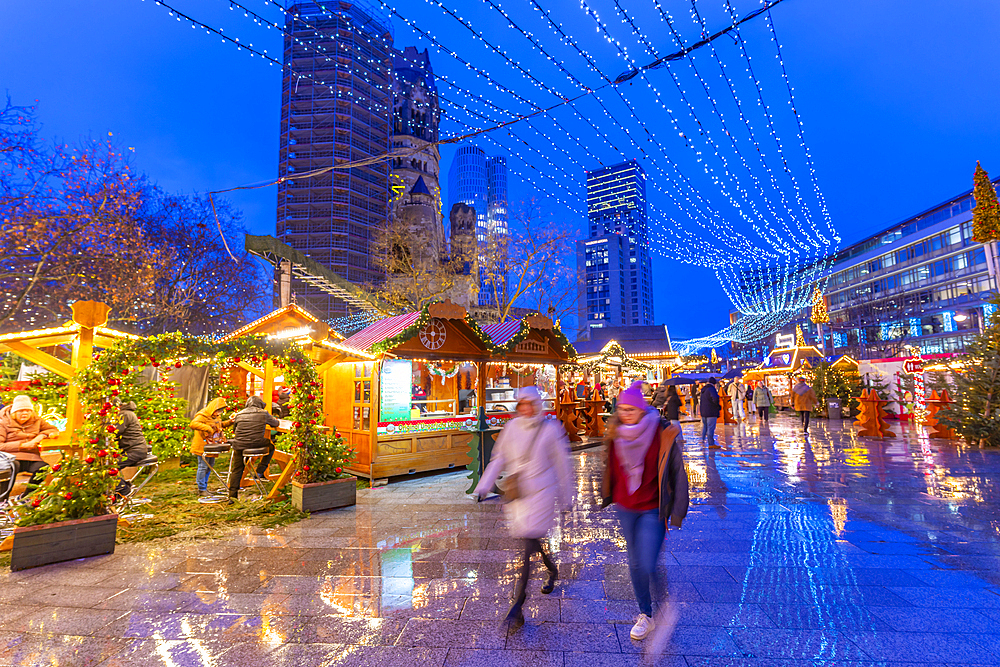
(643, 626)
(666, 620)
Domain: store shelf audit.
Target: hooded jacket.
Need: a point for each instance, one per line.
(803, 397)
(205, 424)
(536, 450)
(762, 396)
(12, 434)
(251, 425)
(131, 439)
(671, 477)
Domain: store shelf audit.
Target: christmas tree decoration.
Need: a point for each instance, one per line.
(800, 338)
(986, 214)
(871, 420)
(975, 414)
(819, 314)
(935, 404)
(715, 357)
(47, 391)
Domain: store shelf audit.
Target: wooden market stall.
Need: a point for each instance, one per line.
(290, 323)
(779, 368)
(415, 405)
(65, 351)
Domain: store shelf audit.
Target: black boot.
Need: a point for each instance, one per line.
(515, 617)
(550, 585)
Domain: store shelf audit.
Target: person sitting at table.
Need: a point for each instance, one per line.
(250, 432)
(132, 442)
(207, 425)
(21, 433)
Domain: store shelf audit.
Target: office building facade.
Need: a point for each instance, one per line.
(335, 108)
(613, 292)
(923, 282)
(481, 182)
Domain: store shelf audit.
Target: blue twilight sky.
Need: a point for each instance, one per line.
(898, 99)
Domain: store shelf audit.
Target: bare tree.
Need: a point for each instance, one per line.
(531, 266)
(415, 273)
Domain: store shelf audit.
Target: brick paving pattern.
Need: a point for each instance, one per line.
(835, 550)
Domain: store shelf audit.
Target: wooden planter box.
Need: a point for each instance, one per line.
(324, 495)
(65, 540)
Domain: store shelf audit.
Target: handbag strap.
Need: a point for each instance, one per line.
(534, 438)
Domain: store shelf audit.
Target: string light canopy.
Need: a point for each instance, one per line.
(697, 92)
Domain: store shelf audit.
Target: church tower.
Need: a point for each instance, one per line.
(414, 179)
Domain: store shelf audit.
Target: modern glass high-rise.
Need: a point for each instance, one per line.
(616, 205)
(496, 195)
(481, 182)
(335, 108)
(467, 184)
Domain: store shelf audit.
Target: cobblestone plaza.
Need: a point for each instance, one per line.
(831, 550)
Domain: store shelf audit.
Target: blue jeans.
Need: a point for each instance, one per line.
(708, 428)
(201, 477)
(644, 533)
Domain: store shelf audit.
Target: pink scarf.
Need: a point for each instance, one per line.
(632, 444)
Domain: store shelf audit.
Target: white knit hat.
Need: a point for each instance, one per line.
(22, 402)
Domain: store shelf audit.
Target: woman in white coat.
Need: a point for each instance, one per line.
(534, 452)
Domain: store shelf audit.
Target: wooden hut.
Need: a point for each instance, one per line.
(416, 404)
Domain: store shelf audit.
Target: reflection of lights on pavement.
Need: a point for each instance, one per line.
(857, 457)
(270, 633)
(838, 513)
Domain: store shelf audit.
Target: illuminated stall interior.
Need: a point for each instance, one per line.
(415, 405)
(780, 367)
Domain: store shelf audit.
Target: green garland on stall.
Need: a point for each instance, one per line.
(403, 336)
(425, 317)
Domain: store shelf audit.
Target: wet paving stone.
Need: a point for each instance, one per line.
(829, 551)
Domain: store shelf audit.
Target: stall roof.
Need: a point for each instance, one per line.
(501, 332)
(289, 317)
(510, 339)
(381, 330)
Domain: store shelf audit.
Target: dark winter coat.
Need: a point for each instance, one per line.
(660, 396)
(673, 411)
(710, 403)
(671, 476)
(131, 439)
(251, 425)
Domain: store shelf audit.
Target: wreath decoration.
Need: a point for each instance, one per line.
(439, 371)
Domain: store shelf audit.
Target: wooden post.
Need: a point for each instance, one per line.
(268, 383)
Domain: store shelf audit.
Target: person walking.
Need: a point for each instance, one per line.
(659, 400)
(736, 392)
(710, 407)
(672, 406)
(763, 399)
(695, 398)
(645, 478)
(534, 453)
(803, 400)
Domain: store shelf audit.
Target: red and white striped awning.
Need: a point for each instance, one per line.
(502, 332)
(381, 330)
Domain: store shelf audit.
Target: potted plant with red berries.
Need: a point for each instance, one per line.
(69, 516)
(319, 482)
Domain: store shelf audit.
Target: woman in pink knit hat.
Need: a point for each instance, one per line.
(645, 478)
